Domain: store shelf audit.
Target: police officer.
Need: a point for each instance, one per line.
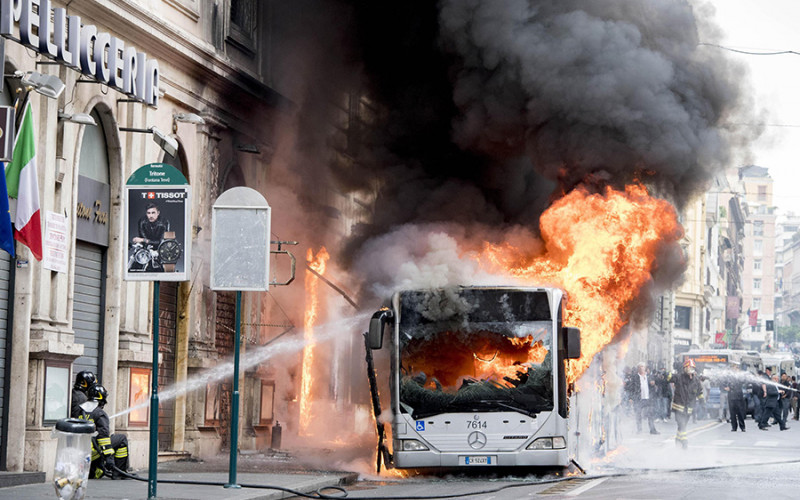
(110, 452)
(83, 381)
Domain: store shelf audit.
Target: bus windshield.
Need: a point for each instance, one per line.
(467, 350)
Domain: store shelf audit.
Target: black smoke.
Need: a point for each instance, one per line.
(486, 111)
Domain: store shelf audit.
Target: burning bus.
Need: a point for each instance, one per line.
(477, 377)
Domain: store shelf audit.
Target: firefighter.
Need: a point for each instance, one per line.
(687, 388)
(109, 452)
(83, 381)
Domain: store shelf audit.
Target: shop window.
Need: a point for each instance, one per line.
(56, 391)
(139, 393)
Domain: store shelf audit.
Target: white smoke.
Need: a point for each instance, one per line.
(423, 257)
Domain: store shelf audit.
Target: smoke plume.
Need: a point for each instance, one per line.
(482, 113)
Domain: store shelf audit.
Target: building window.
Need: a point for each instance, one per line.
(758, 246)
(757, 284)
(762, 193)
(213, 396)
(683, 317)
(757, 265)
(757, 303)
(266, 399)
(56, 391)
(242, 24)
(138, 394)
(758, 228)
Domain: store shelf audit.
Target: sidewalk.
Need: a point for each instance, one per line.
(206, 472)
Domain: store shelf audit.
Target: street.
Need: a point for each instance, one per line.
(718, 464)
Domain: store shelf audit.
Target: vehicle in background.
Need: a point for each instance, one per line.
(715, 362)
(477, 377)
(779, 362)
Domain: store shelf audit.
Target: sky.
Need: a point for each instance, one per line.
(770, 26)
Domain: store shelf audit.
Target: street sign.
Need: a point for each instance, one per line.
(157, 224)
(240, 239)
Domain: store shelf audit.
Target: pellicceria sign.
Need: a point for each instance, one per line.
(99, 55)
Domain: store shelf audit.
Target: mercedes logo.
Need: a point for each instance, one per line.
(476, 440)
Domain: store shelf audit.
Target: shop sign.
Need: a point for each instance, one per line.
(64, 38)
(91, 211)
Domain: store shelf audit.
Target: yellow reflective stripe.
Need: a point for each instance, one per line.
(95, 455)
(122, 452)
(676, 406)
(102, 441)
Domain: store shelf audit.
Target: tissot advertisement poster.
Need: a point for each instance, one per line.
(157, 226)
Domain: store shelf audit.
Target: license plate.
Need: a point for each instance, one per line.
(480, 460)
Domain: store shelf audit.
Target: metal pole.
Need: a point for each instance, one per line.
(235, 397)
(152, 466)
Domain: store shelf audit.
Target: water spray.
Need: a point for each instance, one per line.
(249, 360)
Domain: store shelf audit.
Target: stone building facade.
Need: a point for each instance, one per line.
(198, 59)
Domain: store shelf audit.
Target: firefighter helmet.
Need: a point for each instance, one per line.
(688, 365)
(84, 380)
(98, 393)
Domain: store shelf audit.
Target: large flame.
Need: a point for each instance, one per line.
(601, 249)
(448, 358)
(312, 305)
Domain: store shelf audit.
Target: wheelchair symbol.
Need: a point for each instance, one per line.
(420, 425)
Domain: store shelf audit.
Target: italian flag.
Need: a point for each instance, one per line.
(23, 184)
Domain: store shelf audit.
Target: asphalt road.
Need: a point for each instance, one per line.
(717, 464)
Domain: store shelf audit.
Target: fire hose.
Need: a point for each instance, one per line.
(317, 493)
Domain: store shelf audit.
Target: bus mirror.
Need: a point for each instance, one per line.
(376, 326)
(571, 342)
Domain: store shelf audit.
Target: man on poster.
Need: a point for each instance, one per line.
(149, 252)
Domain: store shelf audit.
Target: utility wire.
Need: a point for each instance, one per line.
(750, 53)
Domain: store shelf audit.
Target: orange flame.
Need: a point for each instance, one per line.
(448, 359)
(600, 249)
(310, 319)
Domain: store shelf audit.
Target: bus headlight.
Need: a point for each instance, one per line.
(548, 443)
(413, 445)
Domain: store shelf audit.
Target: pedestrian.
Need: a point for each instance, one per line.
(642, 396)
(84, 380)
(722, 413)
(757, 391)
(701, 404)
(795, 406)
(734, 388)
(109, 452)
(772, 396)
(627, 397)
(686, 389)
(786, 396)
(666, 394)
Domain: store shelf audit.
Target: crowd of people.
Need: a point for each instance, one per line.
(658, 396)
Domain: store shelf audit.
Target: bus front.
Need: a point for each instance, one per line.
(478, 378)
